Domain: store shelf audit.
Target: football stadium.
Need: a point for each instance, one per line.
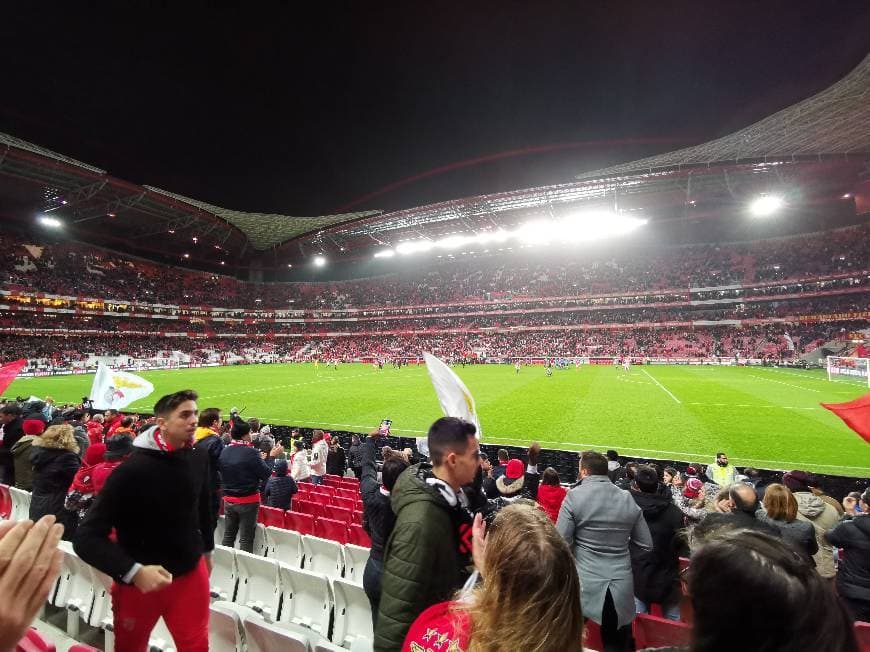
(533, 417)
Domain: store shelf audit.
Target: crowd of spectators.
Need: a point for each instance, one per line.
(77, 270)
(761, 341)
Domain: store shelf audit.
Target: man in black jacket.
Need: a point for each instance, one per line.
(10, 427)
(158, 504)
(378, 516)
(208, 442)
(243, 470)
(657, 572)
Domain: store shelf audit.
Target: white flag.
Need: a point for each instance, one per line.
(455, 399)
(114, 390)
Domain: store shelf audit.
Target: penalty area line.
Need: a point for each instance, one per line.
(662, 387)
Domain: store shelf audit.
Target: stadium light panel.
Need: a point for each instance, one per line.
(51, 222)
(319, 261)
(386, 253)
(766, 205)
(414, 246)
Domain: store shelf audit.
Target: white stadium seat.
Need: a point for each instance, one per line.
(353, 614)
(224, 575)
(20, 504)
(160, 639)
(307, 600)
(323, 556)
(258, 584)
(225, 629)
(284, 546)
(355, 559)
(261, 636)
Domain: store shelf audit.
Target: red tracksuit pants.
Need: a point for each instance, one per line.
(183, 605)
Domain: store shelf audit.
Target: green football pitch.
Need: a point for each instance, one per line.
(765, 417)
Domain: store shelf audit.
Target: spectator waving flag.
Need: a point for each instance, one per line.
(455, 399)
(117, 389)
(9, 371)
(856, 414)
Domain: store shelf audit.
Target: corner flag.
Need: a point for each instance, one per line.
(855, 414)
(455, 399)
(9, 371)
(117, 389)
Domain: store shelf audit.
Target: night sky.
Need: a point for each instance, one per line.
(286, 111)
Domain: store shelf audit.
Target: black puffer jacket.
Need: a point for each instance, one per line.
(657, 572)
(378, 517)
(53, 472)
(853, 576)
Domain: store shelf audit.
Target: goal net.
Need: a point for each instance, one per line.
(855, 370)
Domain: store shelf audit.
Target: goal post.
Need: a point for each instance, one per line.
(849, 369)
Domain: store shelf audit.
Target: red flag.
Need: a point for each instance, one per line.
(856, 414)
(9, 371)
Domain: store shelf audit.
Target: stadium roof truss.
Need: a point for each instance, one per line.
(829, 132)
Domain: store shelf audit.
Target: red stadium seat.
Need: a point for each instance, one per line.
(357, 517)
(350, 494)
(326, 528)
(592, 636)
(301, 523)
(359, 506)
(5, 501)
(320, 489)
(862, 635)
(33, 641)
(323, 499)
(81, 647)
(337, 513)
(315, 509)
(358, 536)
(651, 631)
(332, 480)
(350, 483)
(344, 502)
(270, 516)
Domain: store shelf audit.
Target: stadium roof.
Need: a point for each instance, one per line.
(820, 145)
(834, 121)
(84, 193)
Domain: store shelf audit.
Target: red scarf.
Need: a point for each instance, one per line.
(164, 445)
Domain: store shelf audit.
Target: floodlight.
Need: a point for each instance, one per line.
(51, 222)
(319, 261)
(453, 241)
(766, 205)
(414, 246)
(386, 253)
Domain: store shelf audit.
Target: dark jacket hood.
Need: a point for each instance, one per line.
(652, 505)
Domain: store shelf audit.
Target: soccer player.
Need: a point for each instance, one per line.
(517, 366)
(626, 364)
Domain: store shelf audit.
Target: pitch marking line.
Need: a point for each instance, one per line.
(663, 388)
(779, 382)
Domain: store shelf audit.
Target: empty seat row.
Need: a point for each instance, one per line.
(280, 593)
(326, 528)
(300, 551)
(275, 516)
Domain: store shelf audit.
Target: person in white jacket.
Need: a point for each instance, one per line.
(299, 469)
(319, 452)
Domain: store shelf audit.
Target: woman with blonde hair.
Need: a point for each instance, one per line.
(529, 598)
(55, 460)
(780, 511)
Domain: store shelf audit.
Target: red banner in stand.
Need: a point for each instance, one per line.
(9, 371)
(855, 414)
